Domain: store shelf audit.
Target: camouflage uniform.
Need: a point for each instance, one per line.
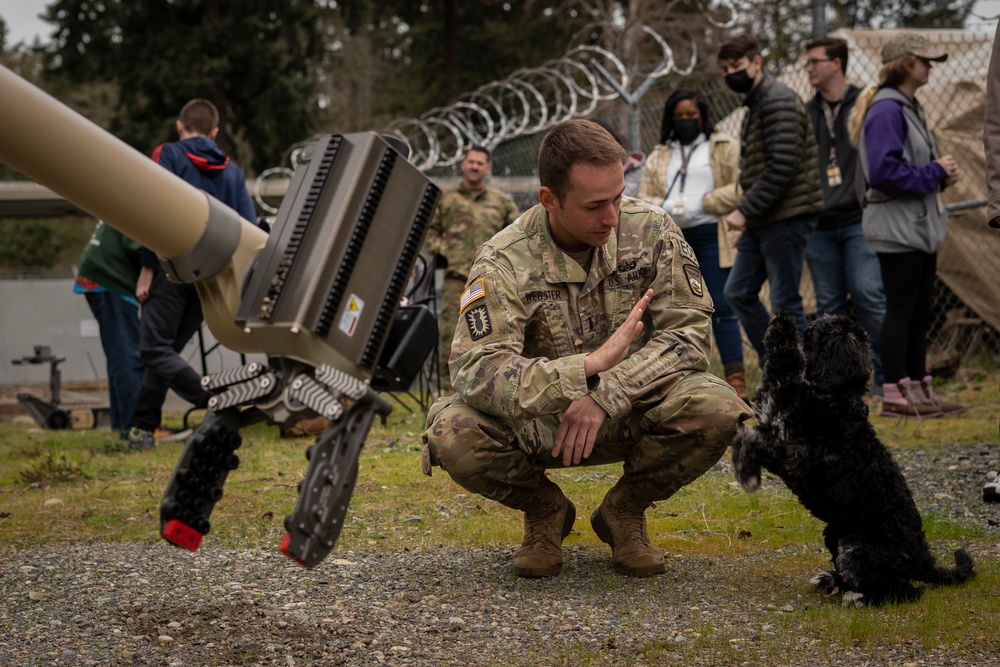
(517, 362)
(464, 220)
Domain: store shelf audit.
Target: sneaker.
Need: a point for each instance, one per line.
(140, 439)
(991, 492)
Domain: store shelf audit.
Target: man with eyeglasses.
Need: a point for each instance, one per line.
(842, 264)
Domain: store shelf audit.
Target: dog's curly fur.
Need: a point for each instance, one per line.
(813, 432)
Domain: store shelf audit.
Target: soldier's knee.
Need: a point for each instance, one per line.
(711, 407)
(459, 439)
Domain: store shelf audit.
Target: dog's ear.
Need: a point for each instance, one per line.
(838, 355)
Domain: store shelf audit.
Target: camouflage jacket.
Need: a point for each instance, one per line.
(530, 315)
(463, 221)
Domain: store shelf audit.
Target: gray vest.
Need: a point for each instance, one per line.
(902, 222)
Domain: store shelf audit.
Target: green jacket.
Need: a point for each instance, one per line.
(111, 260)
(531, 314)
(780, 162)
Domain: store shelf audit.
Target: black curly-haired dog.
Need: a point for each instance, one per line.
(813, 432)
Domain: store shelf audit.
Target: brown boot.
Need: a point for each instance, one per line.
(738, 381)
(620, 521)
(924, 391)
(546, 525)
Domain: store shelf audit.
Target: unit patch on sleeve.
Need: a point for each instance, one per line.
(694, 279)
(475, 291)
(478, 321)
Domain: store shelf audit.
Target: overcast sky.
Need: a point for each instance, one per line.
(22, 20)
(23, 24)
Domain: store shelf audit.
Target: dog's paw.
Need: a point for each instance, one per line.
(824, 581)
(781, 331)
(854, 599)
(749, 482)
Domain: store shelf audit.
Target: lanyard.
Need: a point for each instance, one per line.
(685, 159)
(831, 126)
(682, 172)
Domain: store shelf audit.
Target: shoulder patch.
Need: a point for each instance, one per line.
(694, 280)
(478, 321)
(686, 250)
(474, 292)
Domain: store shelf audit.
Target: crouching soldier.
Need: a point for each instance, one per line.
(584, 337)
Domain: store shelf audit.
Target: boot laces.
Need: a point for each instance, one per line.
(633, 522)
(929, 393)
(539, 530)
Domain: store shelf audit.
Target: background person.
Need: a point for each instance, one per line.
(692, 174)
(107, 274)
(991, 145)
(845, 271)
(904, 218)
(467, 215)
(171, 313)
(781, 192)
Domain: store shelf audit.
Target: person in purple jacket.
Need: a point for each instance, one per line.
(171, 313)
(904, 219)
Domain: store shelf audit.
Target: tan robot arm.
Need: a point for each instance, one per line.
(57, 147)
(318, 296)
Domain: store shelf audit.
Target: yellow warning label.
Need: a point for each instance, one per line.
(352, 313)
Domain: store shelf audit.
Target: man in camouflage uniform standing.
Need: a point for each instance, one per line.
(467, 216)
(584, 338)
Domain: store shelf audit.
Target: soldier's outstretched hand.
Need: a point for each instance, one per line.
(616, 347)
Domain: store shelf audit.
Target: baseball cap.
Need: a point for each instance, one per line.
(909, 43)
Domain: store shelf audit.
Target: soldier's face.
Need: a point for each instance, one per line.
(475, 167)
(588, 213)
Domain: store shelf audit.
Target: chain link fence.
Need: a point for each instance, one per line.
(965, 331)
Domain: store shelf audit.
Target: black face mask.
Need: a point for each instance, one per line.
(687, 129)
(739, 81)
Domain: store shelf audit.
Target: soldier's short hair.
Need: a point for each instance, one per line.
(574, 142)
(199, 116)
(479, 149)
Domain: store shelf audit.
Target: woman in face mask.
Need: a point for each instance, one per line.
(692, 173)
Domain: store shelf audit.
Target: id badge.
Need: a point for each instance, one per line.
(678, 211)
(833, 178)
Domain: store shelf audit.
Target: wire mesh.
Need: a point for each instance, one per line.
(966, 311)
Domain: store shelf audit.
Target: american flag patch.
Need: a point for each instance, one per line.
(476, 291)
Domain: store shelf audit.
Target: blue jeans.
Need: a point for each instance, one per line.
(704, 240)
(773, 254)
(118, 321)
(842, 263)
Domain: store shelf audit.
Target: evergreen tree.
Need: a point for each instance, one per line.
(251, 58)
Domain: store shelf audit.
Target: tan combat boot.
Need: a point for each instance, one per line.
(546, 525)
(620, 521)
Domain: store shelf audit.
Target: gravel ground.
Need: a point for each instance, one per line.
(151, 604)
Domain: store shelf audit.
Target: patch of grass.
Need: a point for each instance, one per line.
(110, 493)
(52, 467)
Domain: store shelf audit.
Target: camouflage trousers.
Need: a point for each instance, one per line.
(668, 440)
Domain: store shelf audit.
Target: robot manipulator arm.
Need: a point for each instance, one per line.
(318, 295)
(321, 299)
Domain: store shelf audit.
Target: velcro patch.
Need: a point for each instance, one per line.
(478, 321)
(694, 280)
(475, 291)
